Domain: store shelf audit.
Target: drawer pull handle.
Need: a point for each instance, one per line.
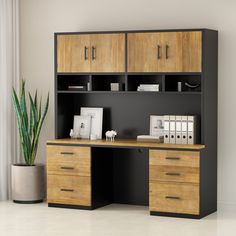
(67, 168)
(172, 197)
(173, 174)
(173, 158)
(67, 153)
(67, 190)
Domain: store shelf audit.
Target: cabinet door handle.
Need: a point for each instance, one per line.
(158, 52)
(67, 190)
(85, 53)
(67, 168)
(173, 197)
(173, 158)
(173, 174)
(67, 153)
(167, 51)
(93, 52)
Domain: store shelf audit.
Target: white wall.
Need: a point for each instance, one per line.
(41, 18)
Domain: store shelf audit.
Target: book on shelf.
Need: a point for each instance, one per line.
(77, 87)
(150, 138)
(148, 87)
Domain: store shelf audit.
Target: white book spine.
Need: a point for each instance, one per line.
(166, 129)
(178, 129)
(172, 130)
(184, 139)
(191, 130)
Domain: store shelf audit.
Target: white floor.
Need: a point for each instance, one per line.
(112, 220)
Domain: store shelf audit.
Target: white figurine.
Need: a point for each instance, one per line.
(72, 133)
(110, 135)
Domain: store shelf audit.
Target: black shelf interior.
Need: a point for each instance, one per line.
(171, 83)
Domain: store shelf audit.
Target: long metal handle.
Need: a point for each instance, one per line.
(158, 52)
(173, 174)
(173, 158)
(167, 51)
(173, 197)
(67, 168)
(67, 190)
(93, 52)
(85, 53)
(67, 153)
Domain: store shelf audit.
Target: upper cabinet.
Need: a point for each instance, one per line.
(165, 52)
(91, 53)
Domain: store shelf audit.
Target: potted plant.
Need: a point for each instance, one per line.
(28, 178)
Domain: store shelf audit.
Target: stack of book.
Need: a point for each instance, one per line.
(148, 87)
(77, 88)
(150, 138)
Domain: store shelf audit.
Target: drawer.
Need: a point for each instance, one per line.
(174, 197)
(74, 190)
(69, 160)
(174, 173)
(174, 158)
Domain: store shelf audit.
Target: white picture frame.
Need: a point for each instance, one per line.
(96, 114)
(157, 126)
(82, 126)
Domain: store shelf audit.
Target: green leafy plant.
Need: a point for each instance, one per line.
(29, 125)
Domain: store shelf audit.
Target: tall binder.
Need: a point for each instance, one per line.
(191, 130)
(172, 129)
(184, 139)
(166, 129)
(178, 129)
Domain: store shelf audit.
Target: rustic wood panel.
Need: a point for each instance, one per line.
(109, 53)
(174, 197)
(75, 190)
(174, 158)
(71, 53)
(174, 173)
(69, 160)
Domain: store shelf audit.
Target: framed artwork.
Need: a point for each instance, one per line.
(82, 126)
(157, 126)
(96, 115)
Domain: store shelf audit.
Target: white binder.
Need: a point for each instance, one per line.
(166, 129)
(184, 121)
(191, 129)
(172, 129)
(178, 130)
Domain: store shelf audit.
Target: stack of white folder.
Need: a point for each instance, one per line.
(180, 129)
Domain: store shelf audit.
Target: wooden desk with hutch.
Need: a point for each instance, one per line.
(173, 180)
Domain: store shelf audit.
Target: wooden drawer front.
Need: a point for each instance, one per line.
(174, 197)
(69, 160)
(174, 158)
(174, 173)
(75, 190)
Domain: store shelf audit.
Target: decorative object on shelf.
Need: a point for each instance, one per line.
(179, 86)
(74, 134)
(82, 126)
(110, 135)
(28, 179)
(77, 88)
(89, 86)
(191, 86)
(96, 114)
(149, 138)
(116, 87)
(157, 126)
(148, 87)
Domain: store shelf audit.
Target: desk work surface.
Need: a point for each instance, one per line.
(133, 143)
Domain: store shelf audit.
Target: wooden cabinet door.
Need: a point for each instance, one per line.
(192, 51)
(73, 53)
(107, 52)
(143, 52)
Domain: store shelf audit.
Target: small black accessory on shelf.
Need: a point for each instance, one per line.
(191, 86)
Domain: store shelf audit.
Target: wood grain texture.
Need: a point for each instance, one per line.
(174, 158)
(123, 143)
(75, 190)
(192, 51)
(77, 161)
(142, 52)
(71, 53)
(174, 173)
(174, 197)
(109, 52)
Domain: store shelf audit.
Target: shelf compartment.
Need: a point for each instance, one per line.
(135, 80)
(64, 81)
(103, 82)
(171, 83)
